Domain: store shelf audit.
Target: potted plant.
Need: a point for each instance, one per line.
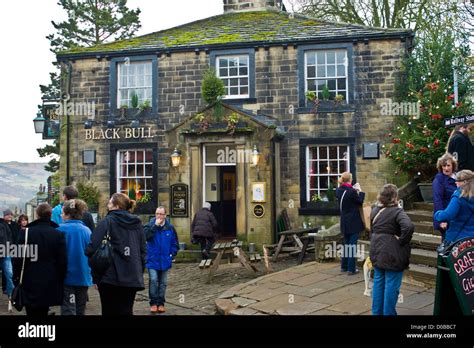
(312, 97)
(89, 194)
(203, 122)
(232, 121)
(123, 111)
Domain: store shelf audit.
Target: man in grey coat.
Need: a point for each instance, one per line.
(204, 229)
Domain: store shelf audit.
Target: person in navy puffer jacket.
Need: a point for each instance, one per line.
(444, 186)
(162, 247)
(460, 211)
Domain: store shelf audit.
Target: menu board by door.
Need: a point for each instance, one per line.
(179, 200)
(461, 266)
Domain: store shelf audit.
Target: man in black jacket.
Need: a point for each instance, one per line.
(460, 147)
(204, 229)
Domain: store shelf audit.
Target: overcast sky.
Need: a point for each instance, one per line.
(25, 60)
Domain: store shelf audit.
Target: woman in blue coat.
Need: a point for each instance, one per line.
(460, 211)
(78, 276)
(162, 247)
(350, 200)
(444, 185)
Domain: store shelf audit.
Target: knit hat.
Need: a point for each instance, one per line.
(7, 212)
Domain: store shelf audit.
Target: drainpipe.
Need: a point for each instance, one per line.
(65, 97)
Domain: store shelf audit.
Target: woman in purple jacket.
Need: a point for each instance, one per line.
(444, 186)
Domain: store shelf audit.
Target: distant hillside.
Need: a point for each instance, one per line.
(19, 183)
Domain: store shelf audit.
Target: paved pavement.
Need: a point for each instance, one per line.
(312, 288)
(187, 292)
(315, 289)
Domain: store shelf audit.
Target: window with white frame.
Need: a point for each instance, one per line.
(329, 68)
(135, 174)
(234, 72)
(134, 78)
(324, 165)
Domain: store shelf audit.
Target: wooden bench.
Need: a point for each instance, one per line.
(234, 249)
(255, 258)
(295, 237)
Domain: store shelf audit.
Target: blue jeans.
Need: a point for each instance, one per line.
(158, 283)
(385, 291)
(6, 265)
(348, 258)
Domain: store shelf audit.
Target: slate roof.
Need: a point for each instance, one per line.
(239, 29)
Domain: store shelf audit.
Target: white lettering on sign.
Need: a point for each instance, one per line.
(119, 133)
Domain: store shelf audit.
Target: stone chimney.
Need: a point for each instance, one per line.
(251, 5)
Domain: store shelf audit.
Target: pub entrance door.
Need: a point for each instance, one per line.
(220, 187)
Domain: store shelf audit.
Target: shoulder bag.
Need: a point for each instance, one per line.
(101, 260)
(18, 298)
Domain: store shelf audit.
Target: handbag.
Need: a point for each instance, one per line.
(18, 298)
(101, 260)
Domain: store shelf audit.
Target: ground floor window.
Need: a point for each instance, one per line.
(135, 174)
(324, 165)
(323, 160)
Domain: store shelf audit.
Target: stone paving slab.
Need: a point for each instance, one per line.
(320, 289)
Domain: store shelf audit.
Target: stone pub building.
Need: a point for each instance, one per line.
(283, 152)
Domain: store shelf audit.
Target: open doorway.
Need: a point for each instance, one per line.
(220, 189)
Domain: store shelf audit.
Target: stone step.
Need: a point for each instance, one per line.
(425, 227)
(422, 269)
(421, 275)
(425, 241)
(423, 206)
(424, 257)
(420, 215)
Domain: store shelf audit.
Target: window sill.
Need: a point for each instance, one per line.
(240, 101)
(327, 107)
(320, 208)
(132, 114)
(145, 208)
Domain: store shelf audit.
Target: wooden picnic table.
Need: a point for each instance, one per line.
(235, 250)
(299, 238)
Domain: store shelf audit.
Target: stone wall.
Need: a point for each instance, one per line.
(179, 83)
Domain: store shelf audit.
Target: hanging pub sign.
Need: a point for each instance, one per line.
(461, 265)
(451, 122)
(179, 200)
(51, 115)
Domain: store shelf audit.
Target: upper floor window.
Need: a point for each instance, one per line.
(234, 72)
(236, 68)
(322, 65)
(134, 78)
(134, 75)
(326, 68)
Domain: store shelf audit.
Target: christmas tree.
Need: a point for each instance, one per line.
(420, 138)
